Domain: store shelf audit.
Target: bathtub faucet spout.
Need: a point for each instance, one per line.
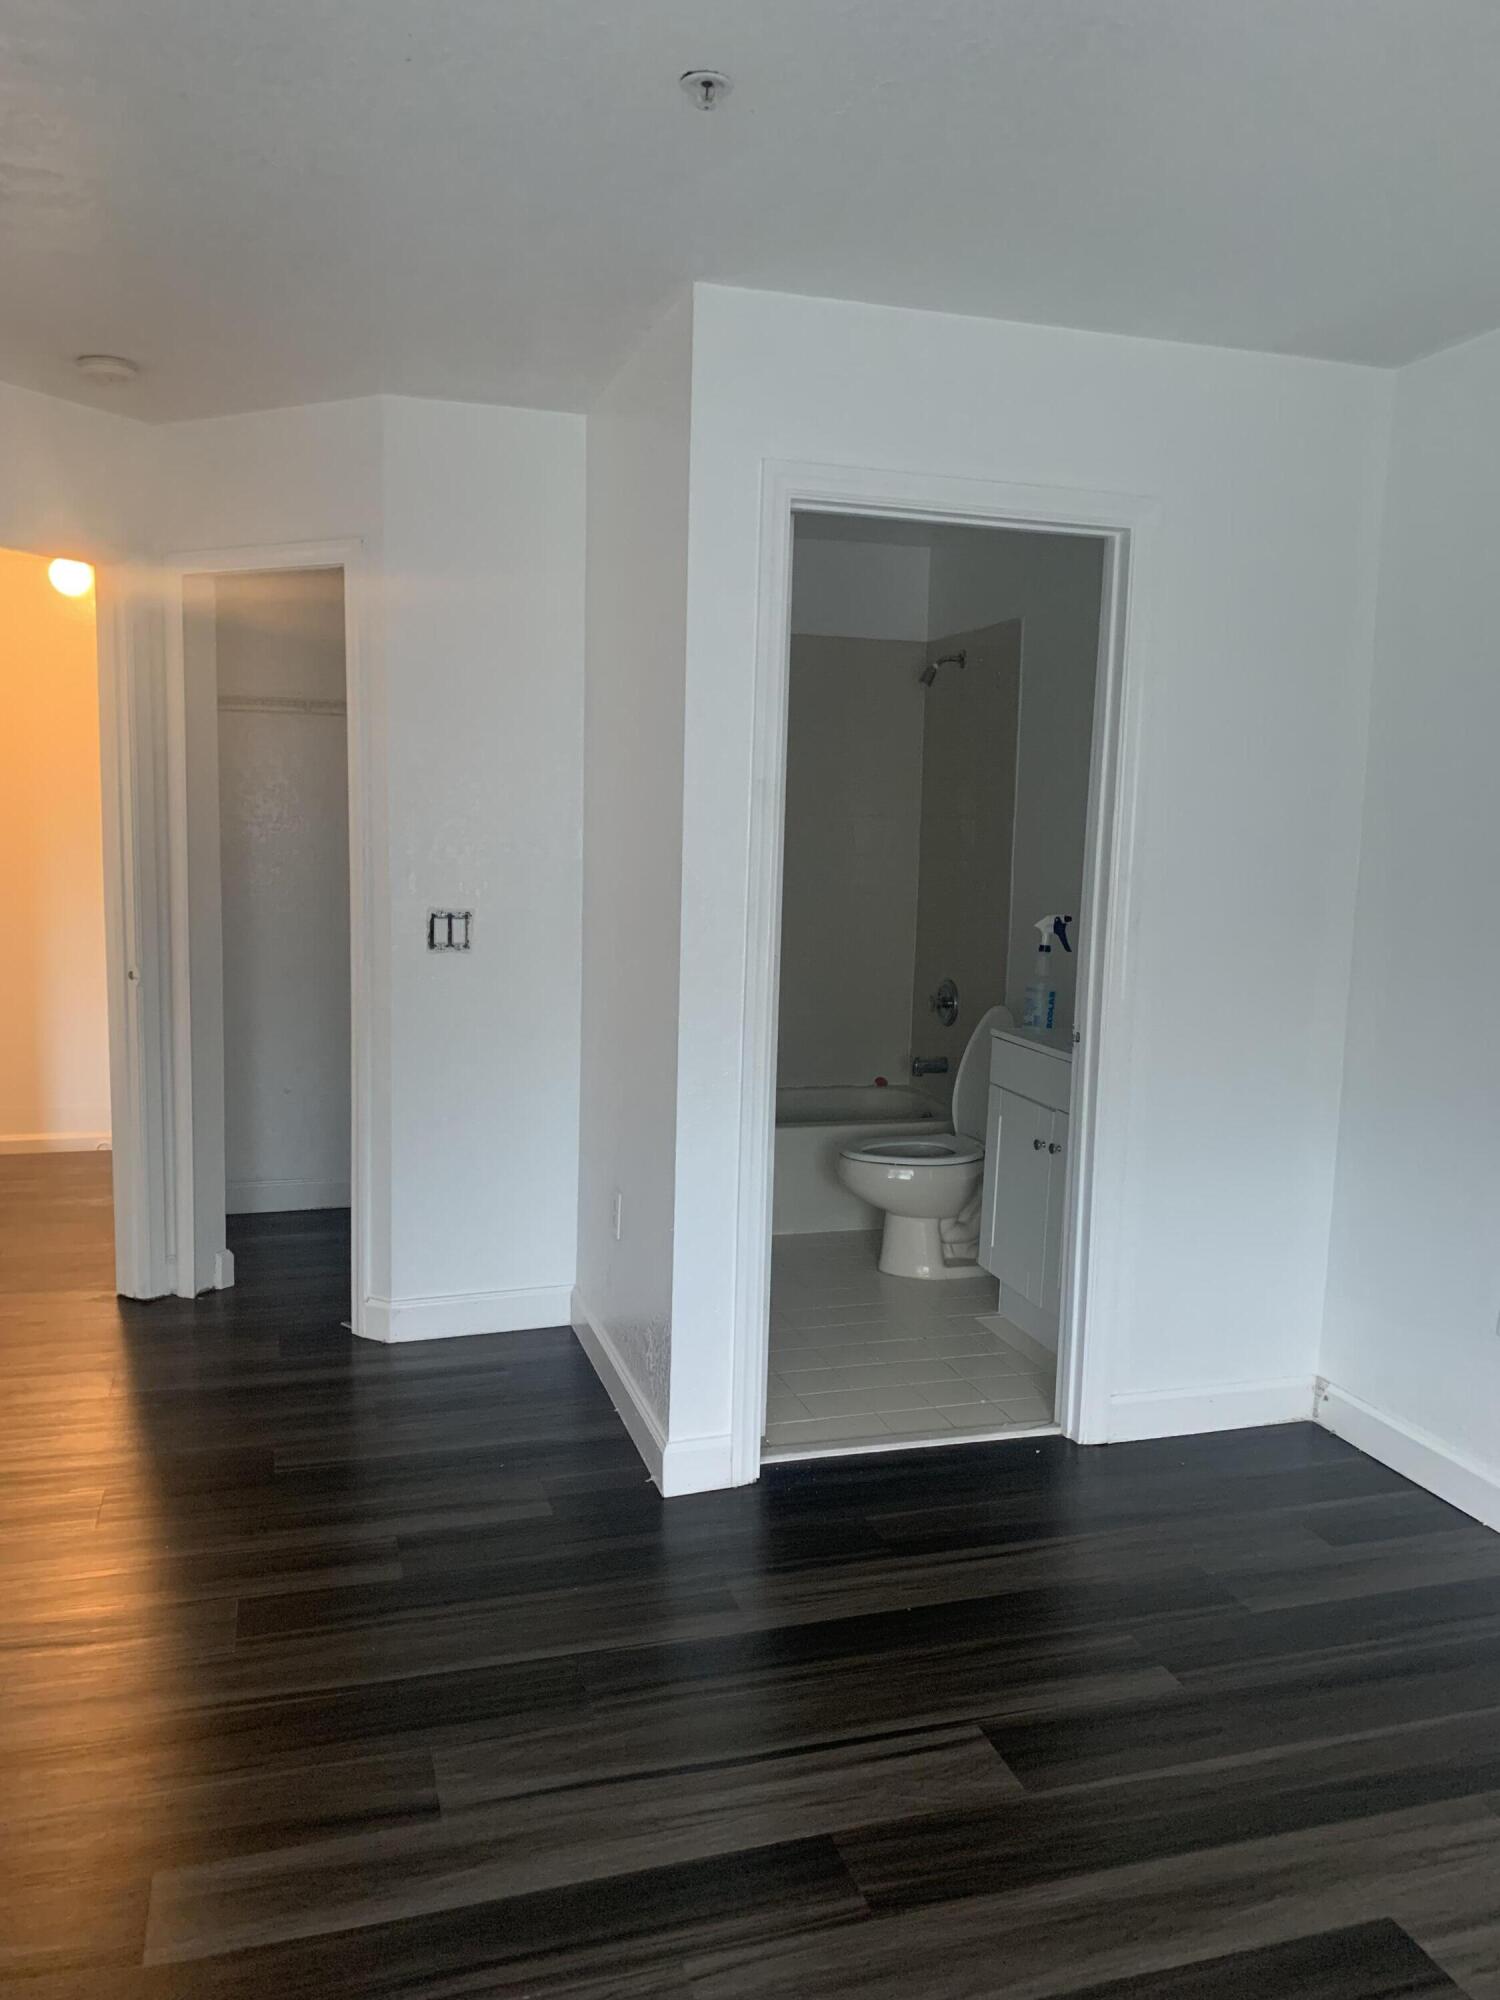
(929, 1065)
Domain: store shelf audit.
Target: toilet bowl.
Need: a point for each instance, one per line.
(928, 1187)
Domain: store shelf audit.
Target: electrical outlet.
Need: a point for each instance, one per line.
(616, 1212)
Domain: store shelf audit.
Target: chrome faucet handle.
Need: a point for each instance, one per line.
(944, 1003)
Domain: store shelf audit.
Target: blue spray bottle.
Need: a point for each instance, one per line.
(1041, 995)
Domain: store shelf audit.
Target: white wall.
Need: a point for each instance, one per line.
(1253, 650)
(637, 582)
(1052, 584)
(471, 640)
(308, 474)
(483, 592)
(284, 870)
(469, 613)
(859, 589)
(853, 827)
(73, 481)
(1414, 1272)
(314, 474)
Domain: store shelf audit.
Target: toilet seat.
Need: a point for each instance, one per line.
(942, 1149)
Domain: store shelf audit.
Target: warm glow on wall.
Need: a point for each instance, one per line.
(73, 579)
(54, 1060)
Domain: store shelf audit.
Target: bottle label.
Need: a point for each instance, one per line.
(1040, 1007)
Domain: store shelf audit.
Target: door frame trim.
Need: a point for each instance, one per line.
(1095, 1250)
(137, 945)
(346, 554)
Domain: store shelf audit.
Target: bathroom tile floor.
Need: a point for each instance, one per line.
(859, 1359)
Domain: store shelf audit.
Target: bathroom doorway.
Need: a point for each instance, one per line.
(941, 829)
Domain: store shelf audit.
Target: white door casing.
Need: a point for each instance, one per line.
(1091, 1245)
(166, 987)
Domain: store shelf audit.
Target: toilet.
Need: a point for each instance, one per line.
(929, 1186)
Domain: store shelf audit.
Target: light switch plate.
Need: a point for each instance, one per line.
(449, 930)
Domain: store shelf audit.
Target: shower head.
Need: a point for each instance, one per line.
(929, 673)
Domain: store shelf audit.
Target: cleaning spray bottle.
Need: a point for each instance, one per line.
(1041, 994)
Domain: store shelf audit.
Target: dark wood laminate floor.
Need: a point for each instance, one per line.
(332, 1669)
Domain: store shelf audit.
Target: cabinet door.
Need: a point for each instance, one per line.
(1020, 1194)
(989, 1205)
(1057, 1194)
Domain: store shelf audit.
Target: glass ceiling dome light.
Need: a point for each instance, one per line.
(71, 578)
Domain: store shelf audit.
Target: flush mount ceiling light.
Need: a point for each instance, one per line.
(110, 371)
(705, 86)
(71, 578)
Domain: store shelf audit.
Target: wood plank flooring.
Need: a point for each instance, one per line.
(333, 1669)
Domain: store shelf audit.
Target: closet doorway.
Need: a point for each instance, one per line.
(264, 916)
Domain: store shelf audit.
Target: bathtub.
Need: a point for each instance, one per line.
(812, 1126)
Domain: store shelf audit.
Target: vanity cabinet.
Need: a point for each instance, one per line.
(1025, 1180)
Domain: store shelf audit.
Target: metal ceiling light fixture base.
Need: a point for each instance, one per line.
(113, 371)
(705, 86)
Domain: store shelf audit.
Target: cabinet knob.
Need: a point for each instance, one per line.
(1039, 1145)
(1053, 1148)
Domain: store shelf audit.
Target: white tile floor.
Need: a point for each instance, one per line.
(858, 1358)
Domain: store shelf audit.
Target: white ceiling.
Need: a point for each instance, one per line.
(284, 200)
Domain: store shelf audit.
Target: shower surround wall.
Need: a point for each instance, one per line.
(1004, 747)
(849, 892)
(1052, 585)
(899, 802)
(970, 729)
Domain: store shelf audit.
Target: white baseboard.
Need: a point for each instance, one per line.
(1464, 1482)
(450, 1315)
(223, 1270)
(676, 1465)
(698, 1465)
(273, 1197)
(1152, 1413)
(54, 1142)
(631, 1407)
